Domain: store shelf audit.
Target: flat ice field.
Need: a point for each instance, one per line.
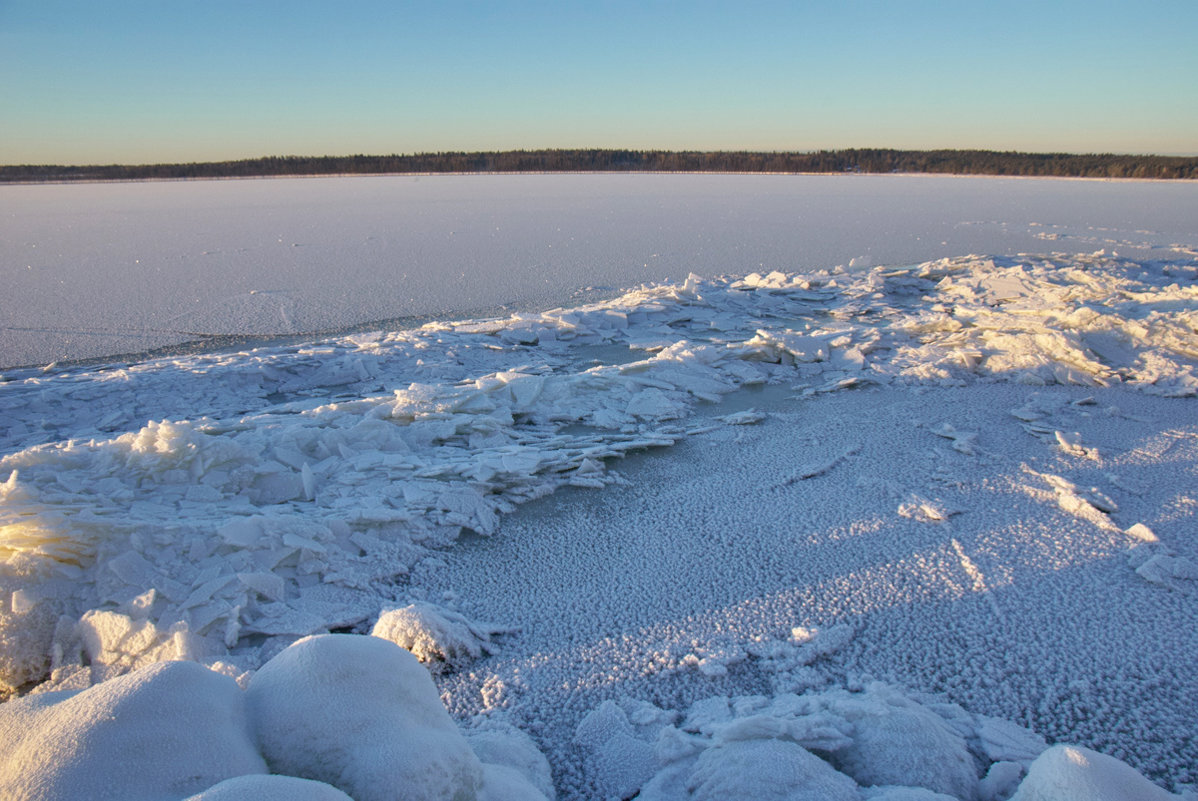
(737, 487)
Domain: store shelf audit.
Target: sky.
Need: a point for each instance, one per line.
(121, 81)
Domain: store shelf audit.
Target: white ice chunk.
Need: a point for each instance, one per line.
(896, 742)
(1003, 741)
(813, 644)
(963, 441)
(653, 404)
(1071, 500)
(706, 714)
(133, 569)
(920, 508)
(746, 418)
(1142, 533)
(674, 744)
(268, 585)
(27, 631)
(818, 468)
(767, 770)
(788, 346)
(270, 788)
(244, 532)
(435, 635)
(1071, 443)
(601, 724)
(1166, 570)
(619, 761)
(120, 642)
(309, 481)
(1000, 781)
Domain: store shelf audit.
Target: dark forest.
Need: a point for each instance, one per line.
(958, 162)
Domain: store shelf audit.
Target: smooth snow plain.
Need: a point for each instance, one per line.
(93, 270)
(850, 514)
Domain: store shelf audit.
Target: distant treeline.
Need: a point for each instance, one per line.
(959, 162)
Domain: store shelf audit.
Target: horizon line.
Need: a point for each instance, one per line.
(653, 151)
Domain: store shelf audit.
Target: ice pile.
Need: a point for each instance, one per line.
(872, 743)
(331, 717)
(289, 491)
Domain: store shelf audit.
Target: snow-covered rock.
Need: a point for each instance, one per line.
(166, 731)
(1074, 773)
(363, 715)
(499, 745)
(270, 788)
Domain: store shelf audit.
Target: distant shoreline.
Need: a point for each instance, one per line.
(826, 162)
(313, 176)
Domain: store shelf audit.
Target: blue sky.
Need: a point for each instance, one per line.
(198, 80)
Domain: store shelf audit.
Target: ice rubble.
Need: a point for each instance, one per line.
(261, 519)
(331, 717)
(288, 491)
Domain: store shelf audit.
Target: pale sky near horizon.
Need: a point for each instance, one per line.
(121, 81)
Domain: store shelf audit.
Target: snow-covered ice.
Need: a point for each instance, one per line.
(92, 270)
(871, 532)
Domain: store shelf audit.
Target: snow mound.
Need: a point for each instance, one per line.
(270, 788)
(503, 749)
(333, 717)
(1073, 773)
(167, 731)
(502, 783)
(363, 715)
(903, 794)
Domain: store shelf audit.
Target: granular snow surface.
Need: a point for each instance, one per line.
(958, 574)
(860, 532)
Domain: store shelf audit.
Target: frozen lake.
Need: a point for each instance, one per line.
(666, 487)
(95, 270)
